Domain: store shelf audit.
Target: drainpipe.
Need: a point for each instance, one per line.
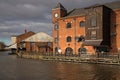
(75, 36)
(57, 35)
(57, 44)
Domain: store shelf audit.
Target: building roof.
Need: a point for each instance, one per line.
(113, 5)
(60, 6)
(81, 11)
(76, 12)
(39, 37)
(26, 33)
(12, 46)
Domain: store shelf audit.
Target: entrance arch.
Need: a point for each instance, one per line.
(82, 51)
(68, 51)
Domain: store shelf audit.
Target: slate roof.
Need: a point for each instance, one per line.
(30, 32)
(76, 12)
(113, 5)
(12, 46)
(39, 37)
(81, 11)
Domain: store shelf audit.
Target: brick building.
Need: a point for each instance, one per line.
(86, 30)
(21, 37)
(39, 42)
(32, 42)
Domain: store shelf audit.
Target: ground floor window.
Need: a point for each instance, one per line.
(68, 51)
(82, 50)
(102, 49)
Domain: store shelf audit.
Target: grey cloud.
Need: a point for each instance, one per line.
(16, 27)
(32, 9)
(22, 11)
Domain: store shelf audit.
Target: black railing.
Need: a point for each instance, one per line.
(81, 55)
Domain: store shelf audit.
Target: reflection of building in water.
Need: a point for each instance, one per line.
(87, 30)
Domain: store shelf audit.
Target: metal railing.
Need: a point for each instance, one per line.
(81, 55)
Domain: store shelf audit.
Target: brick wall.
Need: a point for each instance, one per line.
(39, 47)
(115, 28)
(74, 31)
(23, 36)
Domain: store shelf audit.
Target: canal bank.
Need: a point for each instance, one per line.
(75, 59)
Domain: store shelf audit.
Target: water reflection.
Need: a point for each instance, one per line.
(12, 68)
(105, 72)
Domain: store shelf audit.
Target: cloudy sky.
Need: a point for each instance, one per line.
(33, 15)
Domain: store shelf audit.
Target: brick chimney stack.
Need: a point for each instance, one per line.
(25, 31)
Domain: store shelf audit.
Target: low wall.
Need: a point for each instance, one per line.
(111, 61)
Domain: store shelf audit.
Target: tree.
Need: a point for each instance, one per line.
(2, 45)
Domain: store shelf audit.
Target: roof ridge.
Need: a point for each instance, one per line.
(25, 33)
(71, 11)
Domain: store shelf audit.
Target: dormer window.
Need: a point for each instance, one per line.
(68, 25)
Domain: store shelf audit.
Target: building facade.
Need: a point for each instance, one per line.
(39, 42)
(86, 30)
(20, 38)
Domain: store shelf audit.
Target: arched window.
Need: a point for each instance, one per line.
(56, 27)
(82, 50)
(68, 51)
(68, 25)
(69, 39)
(82, 24)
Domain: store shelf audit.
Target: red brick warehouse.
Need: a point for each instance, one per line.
(86, 30)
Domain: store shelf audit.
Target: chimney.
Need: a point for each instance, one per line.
(25, 31)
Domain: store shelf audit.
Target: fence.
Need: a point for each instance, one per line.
(97, 55)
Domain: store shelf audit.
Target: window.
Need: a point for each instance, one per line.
(56, 27)
(68, 51)
(93, 21)
(82, 24)
(32, 43)
(48, 43)
(56, 39)
(22, 45)
(82, 50)
(93, 34)
(81, 38)
(68, 25)
(69, 39)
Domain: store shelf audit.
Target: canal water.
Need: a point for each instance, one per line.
(13, 68)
